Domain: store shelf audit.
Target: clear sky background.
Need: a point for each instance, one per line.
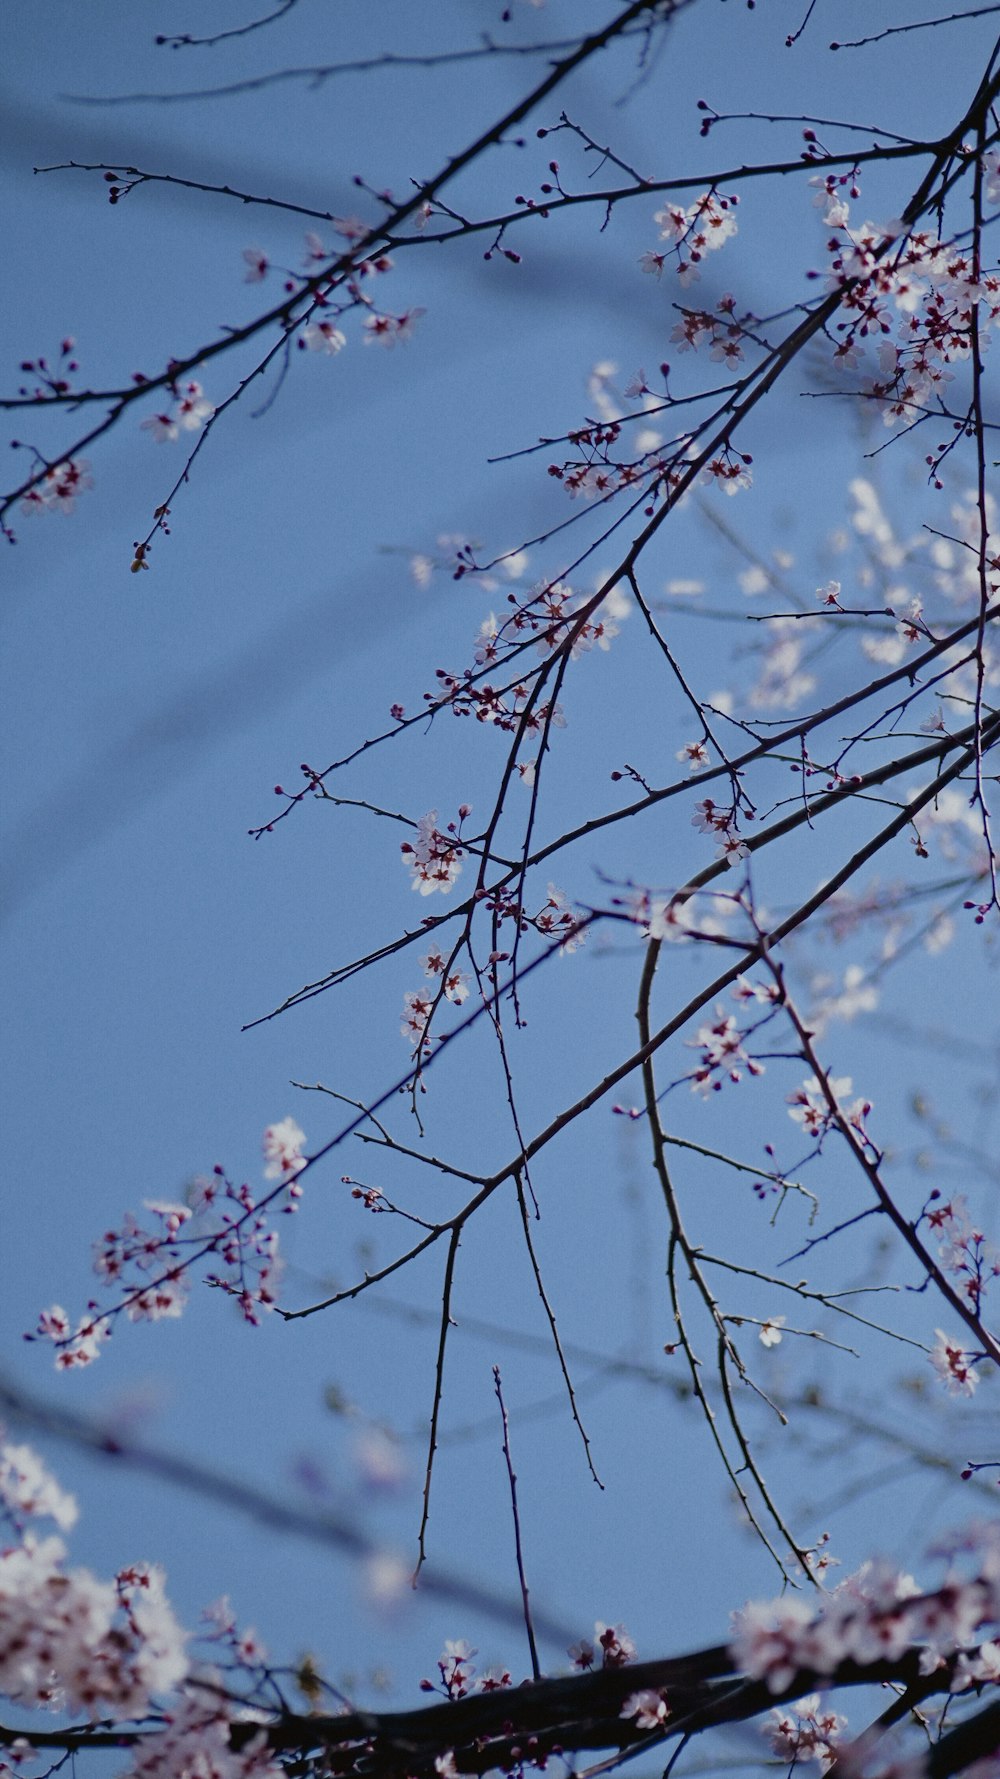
(148, 718)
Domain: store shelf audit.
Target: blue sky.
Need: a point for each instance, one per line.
(149, 716)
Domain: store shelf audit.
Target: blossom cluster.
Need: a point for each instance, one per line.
(149, 1267)
(807, 1730)
(954, 1364)
(723, 1057)
(321, 332)
(929, 291)
(554, 920)
(649, 1708)
(875, 1614)
(556, 618)
(963, 1248)
(435, 859)
(703, 227)
(196, 1738)
(27, 1489)
(458, 1674)
(59, 487)
(810, 1107)
(553, 614)
(717, 329)
(711, 818)
(190, 412)
(613, 1642)
(418, 1005)
(71, 1642)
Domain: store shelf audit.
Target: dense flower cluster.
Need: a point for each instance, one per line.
(877, 1613)
(71, 1642)
(807, 1730)
(109, 1649)
(434, 859)
(927, 289)
(459, 1676)
(28, 1489)
(196, 1740)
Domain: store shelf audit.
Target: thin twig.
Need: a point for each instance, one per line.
(536, 1672)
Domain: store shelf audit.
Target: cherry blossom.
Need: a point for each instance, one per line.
(391, 330)
(282, 1145)
(196, 1739)
(71, 1642)
(59, 487)
(557, 919)
(722, 1054)
(809, 1106)
(695, 754)
(963, 1248)
(615, 1644)
(417, 1009)
(26, 1487)
(189, 413)
(257, 264)
(193, 407)
(435, 859)
(323, 336)
(979, 1669)
(649, 1708)
(703, 227)
(148, 1268)
(806, 1731)
(455, 1668)
(163, 427)
(954, 1366)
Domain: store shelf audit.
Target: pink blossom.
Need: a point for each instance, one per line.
(196, 1739)
(26, 1487)
(434, 859)
(282, 1145)
(257, 264)
(806, 1731)
(391, 330)
(649, 1708)
(193, 408)
(322, 336)
(695, 753)
(71, 1642)
(163, 427)
(59, 487)
(953, 1365)
(615, 1643)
